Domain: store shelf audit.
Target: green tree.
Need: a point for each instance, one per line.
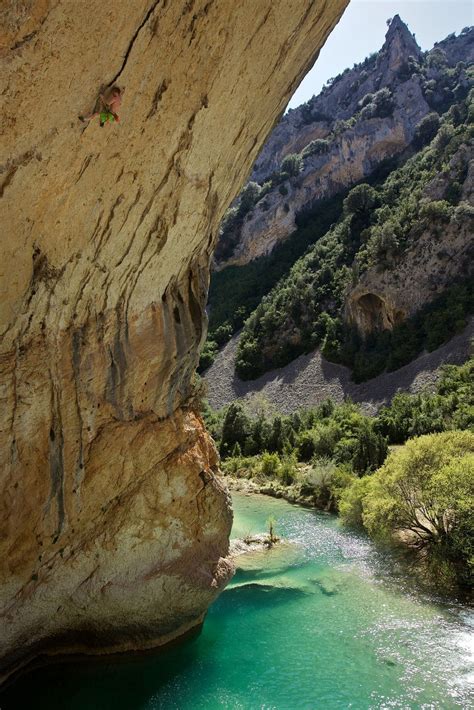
(292, 164)
(426, 130)
(426, 490)
(360, 199)
(277, 437)
(370, 449)
(351, 502)
(235, 429)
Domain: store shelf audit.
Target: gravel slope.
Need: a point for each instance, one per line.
(310, 378)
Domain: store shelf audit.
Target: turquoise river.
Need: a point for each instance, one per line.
(328, 622)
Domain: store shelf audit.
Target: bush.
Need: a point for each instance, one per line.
(351, 502)
(292, 164)
(320, 146)
(248, 197)
(270, 465)
(436, 210)
(426, 130)
(378, 105)
(222, 334)
(287, 470)
(324, 482)
(325, 439)
(208, 355)
(436, 58)
(306, 445)
(424, 490)
(360, 199)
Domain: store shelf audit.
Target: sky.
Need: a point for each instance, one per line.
(362, 29)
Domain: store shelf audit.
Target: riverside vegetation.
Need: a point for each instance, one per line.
(404, 475)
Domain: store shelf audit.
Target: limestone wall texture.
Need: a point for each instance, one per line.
(113, 527)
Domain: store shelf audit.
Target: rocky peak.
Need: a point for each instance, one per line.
(339, 99)
(399, 45)
(398, 32)
(362, 117)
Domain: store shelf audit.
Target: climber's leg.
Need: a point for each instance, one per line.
(89, 118)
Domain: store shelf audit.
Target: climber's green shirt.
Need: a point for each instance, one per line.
(106, 116)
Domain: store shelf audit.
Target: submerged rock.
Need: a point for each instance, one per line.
(254, 543)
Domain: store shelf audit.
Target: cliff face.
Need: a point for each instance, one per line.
(352, 156)
(337, 101)
(435, 259)
(114, 529)
(352, 152)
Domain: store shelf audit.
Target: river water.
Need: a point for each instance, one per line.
(326, 623)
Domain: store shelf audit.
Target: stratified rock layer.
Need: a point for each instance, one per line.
(113, 528)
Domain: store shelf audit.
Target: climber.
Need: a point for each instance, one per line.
(110, 102)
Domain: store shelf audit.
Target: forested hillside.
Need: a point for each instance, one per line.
(378, 227)
(378, 267)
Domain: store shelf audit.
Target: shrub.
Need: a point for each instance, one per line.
(436, 59)
(341, 126)
(326, 436)
(320, 146)
(222, 334)
(208, 355)
(426, 489)
(270, 464)
(306, 445)
(436, 210)
(287, 470)
(360, 199)
(324, 482)
(463, 211)
(351, 502)
(248, 197)
(367, 99)
(292, 164)
(378, 105)
(426, 130)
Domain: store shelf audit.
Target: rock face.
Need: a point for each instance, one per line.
(113, 528)
(353, 152)
(338, 101)
(353, 155)
(442, 254)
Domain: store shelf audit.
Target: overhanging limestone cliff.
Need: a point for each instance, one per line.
(113, 528)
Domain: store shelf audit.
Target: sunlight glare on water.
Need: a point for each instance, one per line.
(326, 623)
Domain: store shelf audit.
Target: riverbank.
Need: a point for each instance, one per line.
(291, 493)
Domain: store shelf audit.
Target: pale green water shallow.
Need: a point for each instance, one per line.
(329, 624)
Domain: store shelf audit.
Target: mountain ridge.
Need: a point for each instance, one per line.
(342, 136)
